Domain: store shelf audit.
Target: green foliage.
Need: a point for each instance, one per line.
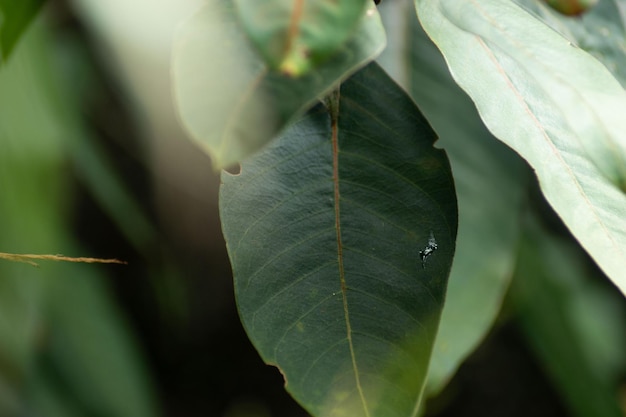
(324, 231)
(341, 225)
(577, 340)
(64, 348)
(246, 104)
(556, 105)
(295, 36)
(537, 92)
(601, 31)
(483, 169)
(15, 16)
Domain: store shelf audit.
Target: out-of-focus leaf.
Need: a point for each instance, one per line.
(571, 7)
(91, 349)
(41, 309)
(230, 102)
(489, 182)
(45, 395)
(554, 104)
(29, 153)
(575, 327)
(601, 31)
(15, 16)
(326, 230)
(295, 35)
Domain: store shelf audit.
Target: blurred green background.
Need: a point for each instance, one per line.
(93, 162)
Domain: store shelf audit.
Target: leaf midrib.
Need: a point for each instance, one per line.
(334, 122)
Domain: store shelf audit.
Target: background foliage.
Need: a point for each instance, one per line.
(93, 162)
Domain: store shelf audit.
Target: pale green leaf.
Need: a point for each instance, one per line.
(553, 103)
(231, 102)
(601, 31)
(293, 36)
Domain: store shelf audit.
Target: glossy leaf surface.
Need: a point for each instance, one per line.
(294, 35)
(229, 100)
(324, 231)
(554, 104)
(490, 183)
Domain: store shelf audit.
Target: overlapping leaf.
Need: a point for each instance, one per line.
(489, 181)
(601, 31)
(231, 102)
(293, 36)
(324, 231)
(553, 103)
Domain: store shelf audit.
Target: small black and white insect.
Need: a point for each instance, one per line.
(429, 249)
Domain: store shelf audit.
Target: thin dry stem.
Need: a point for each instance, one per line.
(28, 258)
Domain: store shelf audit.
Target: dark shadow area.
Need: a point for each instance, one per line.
(502, 378)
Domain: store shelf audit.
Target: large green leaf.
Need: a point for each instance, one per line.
(295, 35)
(15, 16)
(575, 326)
(553, 103)
(228, 99)
(489, 181)
(324, 232)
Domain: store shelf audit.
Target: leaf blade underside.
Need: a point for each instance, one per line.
(554, 104)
